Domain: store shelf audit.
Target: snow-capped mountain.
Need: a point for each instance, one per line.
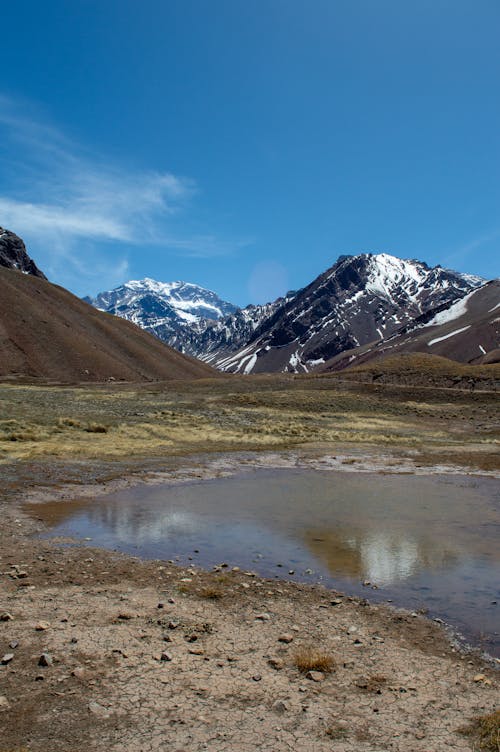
(360, 299)
(467, 331)
(176, 312)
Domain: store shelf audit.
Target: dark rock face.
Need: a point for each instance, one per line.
(360, 299)
(13, 254)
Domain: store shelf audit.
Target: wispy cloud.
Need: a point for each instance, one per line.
(53, 188)
(460, 256)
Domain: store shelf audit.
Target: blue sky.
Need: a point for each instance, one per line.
(245, 145)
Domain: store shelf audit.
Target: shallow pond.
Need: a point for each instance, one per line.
(424, 542)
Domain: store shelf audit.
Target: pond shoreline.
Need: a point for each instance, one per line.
(103, 618)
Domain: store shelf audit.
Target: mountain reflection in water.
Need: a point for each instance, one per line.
(424, 541)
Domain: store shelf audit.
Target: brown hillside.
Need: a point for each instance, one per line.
(49, 334)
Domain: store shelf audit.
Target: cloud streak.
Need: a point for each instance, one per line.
(54, 188)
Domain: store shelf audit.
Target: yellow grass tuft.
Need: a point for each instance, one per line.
(313, 659)
(486, 729)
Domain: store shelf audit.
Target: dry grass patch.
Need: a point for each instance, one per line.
(211, 592)
(313, 659)
(486, 730)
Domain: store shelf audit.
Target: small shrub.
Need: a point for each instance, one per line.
(486, 729)
(313, 659)
(212, 592)
(69, 423)
(96, 428)
(336, 731)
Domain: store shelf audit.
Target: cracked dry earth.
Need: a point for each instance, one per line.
(147, 656)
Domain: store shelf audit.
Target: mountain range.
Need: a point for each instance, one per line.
(359, 301)
(361, 309)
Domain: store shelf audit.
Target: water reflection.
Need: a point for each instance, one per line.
(421, 540)
(377, 555)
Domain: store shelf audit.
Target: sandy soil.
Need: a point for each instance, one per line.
(148, 656)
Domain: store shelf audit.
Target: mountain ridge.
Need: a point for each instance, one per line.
(359, 299)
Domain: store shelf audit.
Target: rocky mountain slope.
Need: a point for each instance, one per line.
(359, 300)
(13, 254)
(47, 333)
(467, 331)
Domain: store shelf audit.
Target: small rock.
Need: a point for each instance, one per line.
(14, 644)
(236, 569)
(6, 616)
(7, 658)
(39, 677)
(280, 706)
(196, 651)
(161, 605)
(285, 638)
(42, 626)
(98, 710)
(352, 630)
(275, 663)
(166, 656)
(291, 571)
(78, 672)
(316, 676)
(308, 571)
(256, 677)
(419, 735)
(173, 624)
(479, 678)
(336, 602)
(45, 660)
(295, 628)
(171, 600)
(263, 617)
(4, 703)
(366, 583)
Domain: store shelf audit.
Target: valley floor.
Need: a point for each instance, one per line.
(149, 656)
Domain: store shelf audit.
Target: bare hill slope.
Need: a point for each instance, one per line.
(47, 333)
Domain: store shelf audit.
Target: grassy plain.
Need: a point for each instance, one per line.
(120, 421)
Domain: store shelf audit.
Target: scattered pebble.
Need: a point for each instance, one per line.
(275, 663)
(45, 660)
(6, 616)
(287, 638)
(7, 658)
(315, 676)
(166, 656)
(98, 710)
(263, 617)
(280, 706)
(42, 626)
